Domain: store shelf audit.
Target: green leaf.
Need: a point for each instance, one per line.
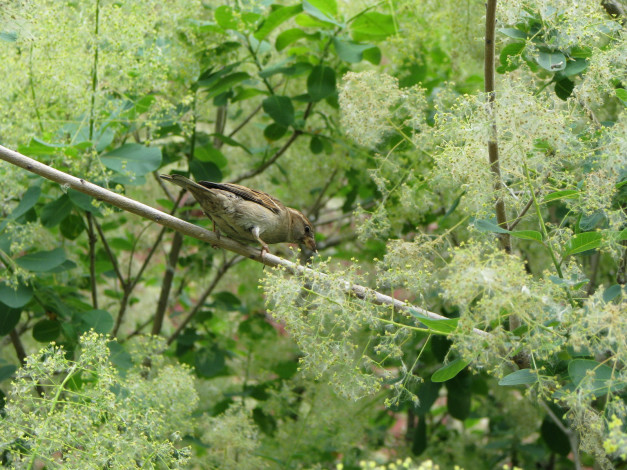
(552, 61)
(459, 396)
(15, 298)
(513, 33)
(609, 294)
(316, 145)
(6, 372)
(38, 148)
(520, 377)
(275, 19)
(54, 212)
(554, 437)
(82, 201)
(488, 226)
(512, 49)
(225, 83)
(566, 194)
(372, 26)
(527, 235)
(288, 37)
(323, 10)
(350, 51)
(205, 171)
(225, 18)
(419, 441)
(46, 330)
(373, 55)
(246, 93)
(280, 109)
(621, 93)
(8, 36)
(209, 362)
(42, 261)
(72, 226)
(229, 141)
(589, 222)
(119, 357)
(564, 88)
(274, 131)
(100, 321)
(449, 371)
(321, 82)
(428, 393)
(9, 318)
(574, 67)
(601, 381)
(29, 199)
(442, 326)
(133, 158)
(208, 153)
(298, 68)
(583, 242)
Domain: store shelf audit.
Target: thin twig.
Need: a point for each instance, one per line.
(520, 216)
(261, 168)
(573, 439)
(155, 245)
(94, 72)
(186, 228)
(19, 347)
(493, 146)
(317, 204)
(109, 252)
(166, 285)
(137, 330)
(92, 260)
(219, 126)
(201, 301)
(245, 121)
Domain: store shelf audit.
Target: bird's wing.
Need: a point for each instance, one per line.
(253, 195)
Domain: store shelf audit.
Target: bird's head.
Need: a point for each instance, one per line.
(302, 230)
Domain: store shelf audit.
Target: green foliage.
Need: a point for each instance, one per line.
(369, 118)
(81, 413)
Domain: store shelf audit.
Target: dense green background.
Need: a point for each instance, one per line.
(371, 119)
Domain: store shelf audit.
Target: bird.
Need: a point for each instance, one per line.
(248, 215)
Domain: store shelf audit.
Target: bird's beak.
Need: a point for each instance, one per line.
(310, 243)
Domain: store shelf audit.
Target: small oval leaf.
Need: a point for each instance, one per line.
(449, 371)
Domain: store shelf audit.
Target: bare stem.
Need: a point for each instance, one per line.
(19, 347)
(94, 72)
(112, 257)
(92, 260)
(201, 301)
(572, 437)
(493, 146)
(245, 121)
(166, 285)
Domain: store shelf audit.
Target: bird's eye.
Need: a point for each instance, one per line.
(307, 229)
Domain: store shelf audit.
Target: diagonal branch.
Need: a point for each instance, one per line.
(200, 233)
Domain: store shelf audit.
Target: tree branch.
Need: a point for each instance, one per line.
(493, 146)
(112, 257)
(166, 285)
(261, 168)
(200, 233)
(19, 347)
(92, 260)
(201, 301)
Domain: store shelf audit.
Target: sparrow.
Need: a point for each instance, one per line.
(248, 215)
